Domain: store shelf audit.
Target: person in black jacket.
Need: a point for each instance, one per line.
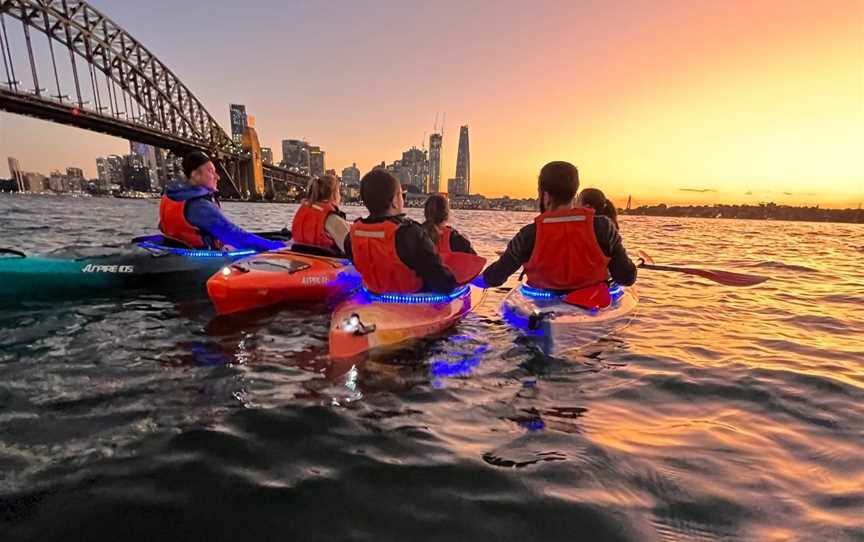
(558, 184)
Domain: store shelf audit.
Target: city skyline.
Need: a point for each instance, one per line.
(676, 102)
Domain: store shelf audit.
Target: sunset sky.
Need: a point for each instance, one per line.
(667, 100)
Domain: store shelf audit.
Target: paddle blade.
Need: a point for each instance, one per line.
(726, 277)
(465, 267)
(593, 297)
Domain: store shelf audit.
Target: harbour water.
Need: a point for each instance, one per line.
(719, 413)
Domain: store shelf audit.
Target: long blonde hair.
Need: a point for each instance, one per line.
(322, 188)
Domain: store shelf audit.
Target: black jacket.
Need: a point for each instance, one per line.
(417, 251)
(519, 250)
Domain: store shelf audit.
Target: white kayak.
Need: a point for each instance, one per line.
(558, 326)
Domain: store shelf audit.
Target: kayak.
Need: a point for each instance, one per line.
(283, 276)
(147, 263)
(557, 325)
(368, 322)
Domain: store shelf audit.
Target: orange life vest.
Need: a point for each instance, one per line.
(173, 224)
(308, 227)
(443, 244)
(566, 255)
(373, 249)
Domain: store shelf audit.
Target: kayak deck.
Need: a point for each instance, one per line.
(558, 326)
(280, 277)
(368, 322)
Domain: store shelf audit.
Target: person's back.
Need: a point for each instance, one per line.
(391, 252)
(565, 248)
(446, 238)
(319, 222)
(190, 214)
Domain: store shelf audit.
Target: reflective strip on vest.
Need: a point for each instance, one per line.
(559, 219)
(372, 234)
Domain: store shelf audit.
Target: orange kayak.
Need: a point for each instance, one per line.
(369, 322)
(280, 277)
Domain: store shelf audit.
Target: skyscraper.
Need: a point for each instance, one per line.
(417, 166)
(75, 179)
(295, 154)
(316, 162)
(17, 175)
(267, 155)
(238, 121)
(435, 141)
(148, 156)
(463, 160)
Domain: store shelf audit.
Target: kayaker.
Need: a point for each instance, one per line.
(566, 247)
(190, 214)
(594, 198)
(445, 237)
(319, 222)
(390, 251)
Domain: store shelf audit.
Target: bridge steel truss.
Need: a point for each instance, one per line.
(120, 88)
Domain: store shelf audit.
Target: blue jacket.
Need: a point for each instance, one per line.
(206, 215)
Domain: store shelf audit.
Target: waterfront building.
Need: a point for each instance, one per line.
(109, 171)
(34, 182)
(457, 187)
(267, 155)
(415, 163)
(135, 175)
(316, 162)
(295, 155)
(57, 181)
(16, 173)
(239, 121)
(434, 177)
(351, 175)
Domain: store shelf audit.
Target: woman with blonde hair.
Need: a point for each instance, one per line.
(319, 222)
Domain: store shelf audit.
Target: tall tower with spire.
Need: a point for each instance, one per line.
(463, 160)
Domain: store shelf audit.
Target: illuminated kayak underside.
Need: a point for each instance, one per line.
(93, 271)
(368, 322)
(557, 326)
(281, 277)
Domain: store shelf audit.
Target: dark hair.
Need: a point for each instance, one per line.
(597, 200)
(193, 161)
(437, 211)
(377, 190)
(322, 188)
(560, 180)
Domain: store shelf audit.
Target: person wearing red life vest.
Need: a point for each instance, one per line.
(391, 252)
(566, 247)
(446, 238)
(319, 222)
(190, 214)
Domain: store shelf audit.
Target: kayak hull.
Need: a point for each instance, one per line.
(281, 277)
(366, 323)
(557, 326)
(97, 271)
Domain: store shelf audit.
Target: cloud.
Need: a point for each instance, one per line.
(700, 190)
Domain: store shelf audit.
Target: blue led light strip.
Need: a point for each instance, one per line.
(422, 298)
(615, 291)
(196, 253)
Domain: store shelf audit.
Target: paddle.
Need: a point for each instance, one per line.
(465, 267)
(721, 277)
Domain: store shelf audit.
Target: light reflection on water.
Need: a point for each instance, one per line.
(719, 412)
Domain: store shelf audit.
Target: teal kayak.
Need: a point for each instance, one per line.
(146, 264)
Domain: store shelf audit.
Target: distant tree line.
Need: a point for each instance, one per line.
(763, 211)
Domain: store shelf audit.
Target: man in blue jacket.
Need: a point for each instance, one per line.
(190, 214)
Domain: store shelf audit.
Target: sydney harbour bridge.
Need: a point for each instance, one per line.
(65, 62)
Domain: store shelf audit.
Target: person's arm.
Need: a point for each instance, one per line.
(518, 252)
(460, 243)
(621, 267)
(416, 250)
(337, 228)
(208, 218)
